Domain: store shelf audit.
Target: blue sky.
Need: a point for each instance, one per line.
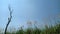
(25, 10)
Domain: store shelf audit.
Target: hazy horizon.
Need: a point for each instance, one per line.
(28, 10)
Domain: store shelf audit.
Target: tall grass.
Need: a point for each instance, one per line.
(48, 30)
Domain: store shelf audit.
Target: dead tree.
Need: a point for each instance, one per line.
(9, 19)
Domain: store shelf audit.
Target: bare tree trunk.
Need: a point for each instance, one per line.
(9, 19)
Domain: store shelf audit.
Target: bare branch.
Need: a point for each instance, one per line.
(9, 19)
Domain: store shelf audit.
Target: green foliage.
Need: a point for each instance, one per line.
(48, 30)
(20, 32)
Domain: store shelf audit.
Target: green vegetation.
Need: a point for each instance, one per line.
(48, 30)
